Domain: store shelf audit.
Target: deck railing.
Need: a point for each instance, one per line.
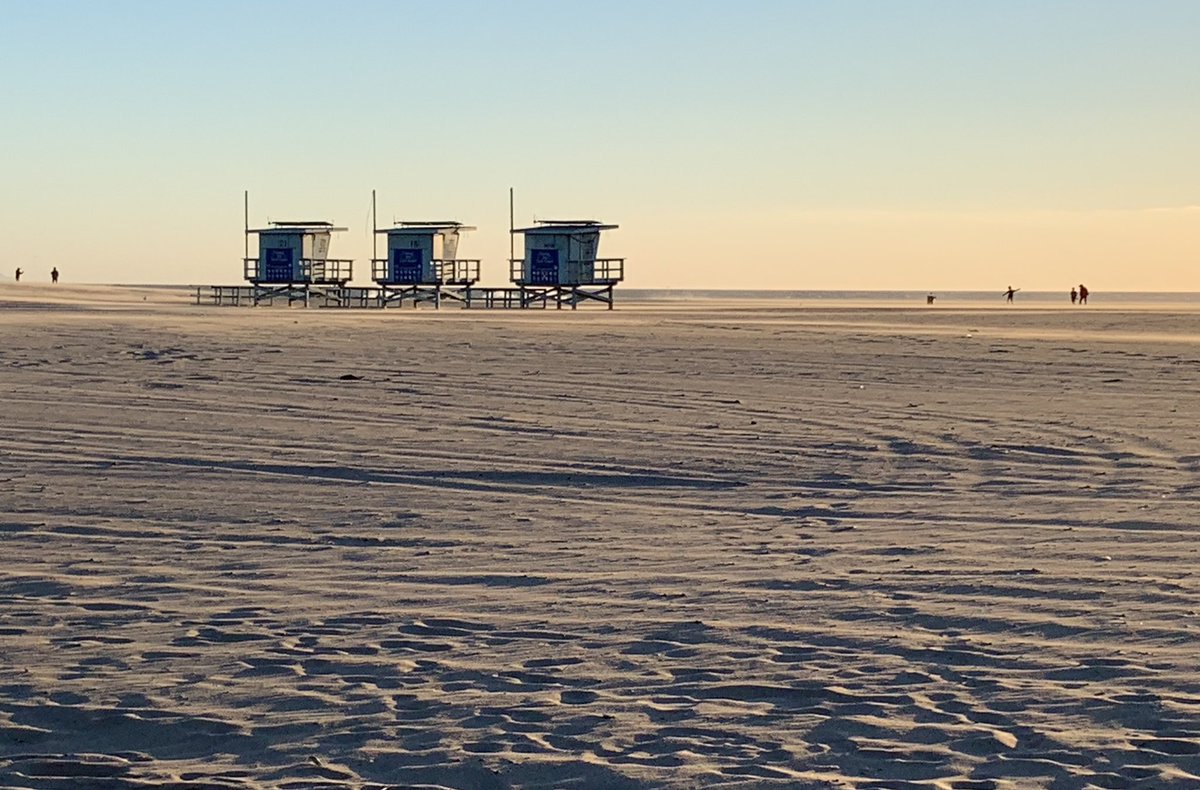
(327, 271)
(461, 271)
(464, 271)
(604, 271)
(608, 270)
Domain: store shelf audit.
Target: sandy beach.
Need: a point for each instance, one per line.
(737, 544)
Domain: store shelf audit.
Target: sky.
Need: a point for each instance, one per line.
(790, 144)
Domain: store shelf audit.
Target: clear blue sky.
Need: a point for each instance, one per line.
(764, 144)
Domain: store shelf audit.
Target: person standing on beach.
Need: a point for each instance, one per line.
(19, 273)
(1083, 293)
(1008, 294)
(54, 275)
(1074, 294)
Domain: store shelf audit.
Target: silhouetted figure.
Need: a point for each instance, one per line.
(19, 273)
(1074, 294)
(54, 275)
(1083, 294)
(1008, 293)
(929, 299)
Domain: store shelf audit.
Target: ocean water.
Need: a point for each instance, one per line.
(915, 297)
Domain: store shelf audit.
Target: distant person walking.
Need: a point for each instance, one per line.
(1074, 294)
(54, 275)
(929, 298)
(1083, 294)
(19, 273)
(1008, 293)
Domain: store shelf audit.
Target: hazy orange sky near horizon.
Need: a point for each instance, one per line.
(792, 145)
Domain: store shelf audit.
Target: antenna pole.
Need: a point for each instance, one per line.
(511, 226)
(246, 222)
(374, 229)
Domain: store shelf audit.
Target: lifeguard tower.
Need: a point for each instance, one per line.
(293, 262)
(422, 263)
(561, 264)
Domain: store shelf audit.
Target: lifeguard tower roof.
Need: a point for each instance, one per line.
(425, 225)
(300, 226)
(559, 225)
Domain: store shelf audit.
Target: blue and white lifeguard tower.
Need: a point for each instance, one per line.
(562, 263)
(422, 263)
(293, 261)
(297, 253)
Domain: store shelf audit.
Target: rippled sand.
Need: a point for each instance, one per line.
(669, 545)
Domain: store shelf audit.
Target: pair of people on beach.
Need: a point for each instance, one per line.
(53, 274)
(1080, 295)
